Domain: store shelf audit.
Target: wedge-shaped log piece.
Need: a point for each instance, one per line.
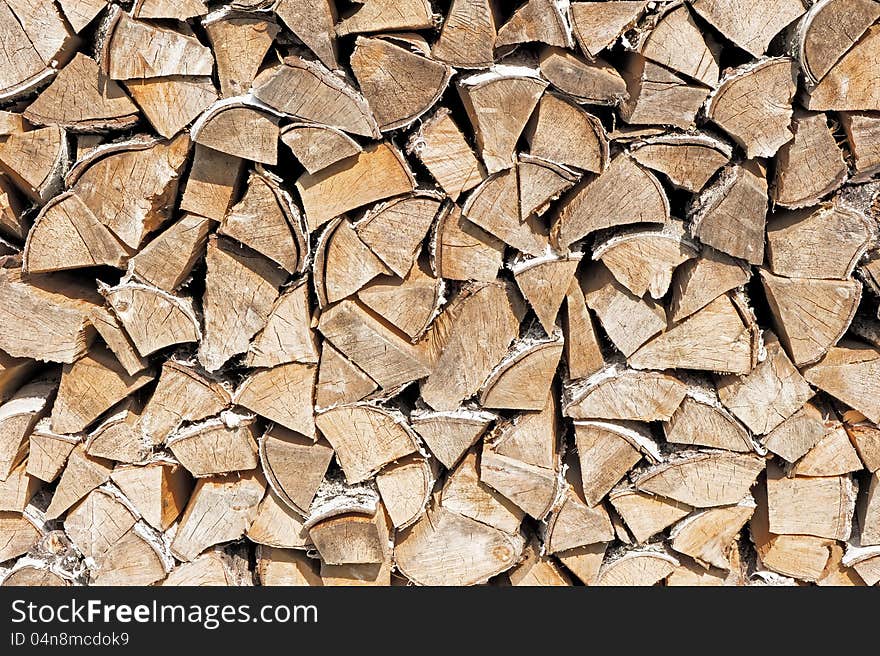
(377, 173)
(822, 506)
(295, 465)
(130, 187)
(769, 394)
(213, 181)
(616, 392)
(36, 161)
(99, 521)
(494, 206)
(798, 433)
(702, 480)
(266, 220)
(532, 437)
(828, 30)
(801, 556)
(865, 561)
(597, 25)
(380, 15)
(366, 437)
(212, 568)
(607, 451)
(112, 332)
(540, 183)
(82, 474)
(240, 290)
(868, 510)
(537, 570)
(91, 386)
(47, 319)
(701, 280)
(461, 250)
(277, 525)
(688, 161)
(442, 148)
(172, 103)
(636, 567)
(240, 44)
(730, 214)
(833, 455)
(482, 313)
(644, 259)
(310, 92)
(140, 557)
(80, 13)
(701, 420)
(34, 34)
(82, 99)
(464, 494)
(848, 85)
(386, 356)
(676, 42)
(520, 380)
(283, 394)
(585, 145)
(13, 372)
(286, 567)
(628, 320)
(343, 263)
(810, 315)
(499, 104)
(119, 437)
(48, 451)
(865, 437)
(583, 354)
(169, 9)
(19, 534)
(591, 82)
(750, 24)
(444, 548)
(850, 372)
(159, 490)
(352, 538)
(29, 575)
(836, 573)
(135, 49)
(12, 223)
(167, 261)
(540, 21)
(625, 193)
(584, 562)
(798, 243)
(753, 105)
(18, 489)
(184, 394)
(863, 136)
(659, 96)
(318, 146)
(574, 524)
(239, 127)
(216, 446)
(531, 488)
(66, 235)
(645, 515)
(467, 38)
(409, 304)
(449, 434)
(708, 535)
(544, 283)
(340, 380)
(405, 488)
(312, 22)
(137, 305)
(809, 166)
(418, 82)
(287, 336)
(220, 509)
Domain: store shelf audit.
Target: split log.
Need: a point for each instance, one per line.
(657, 96)
(405, 488)
(637, 567)
(378, 16)
(750, 24)
(409, 304)
(461, 250)
(79, 13)
(540, 183)
(845, 87)
(36, 161)
(688, 161)
(832, 455)
(591, 82)
(20, 534)
(18, 489)
(597, 25)
(48, 451)
(624, 193)
(285, 567)
(213, 568)
(119, 437)
(220, 509)
(799, 433)
(216, 446)
(283, 394)
(701, 420)
(467, 38)
(113, 333)
(868, 510)
(537, 570)
(82, 474)
(340, 380)
(240, 43)
(18, 417)
(312, 22)
(168, 260)
(343, 263)
(166, 9)
(810, 315)
(441, 147)
(450, 434)
(99, 521)
(821, 506)
(702, 480)
(865, 437)
(849, 372)
(583, 354)
(318, 146)
(645, 515)
(139, 557)
(721, 337)
(158, 490)
(212, 183)
(863, 137)
(737, 198)
(677, 43)
(499, 104)
(753, 105)
(544, 282)
(574, 524)
(239, 127)
(699, 281)
(586, 144)
(278, 525)
(584, 562)
(287, 336)
(172, 103)
(295, 465)
(540, 21)
(707, 536)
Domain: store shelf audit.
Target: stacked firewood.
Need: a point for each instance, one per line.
(316, 292)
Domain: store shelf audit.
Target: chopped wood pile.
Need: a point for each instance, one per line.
(384, 292)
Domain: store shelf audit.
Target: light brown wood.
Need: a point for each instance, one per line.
(216, 446)
(636, 567)
(100, 520)
(168, 260)
(36, 161)
(645, 515)
(158, 490)
(821, 506)
(844, 88)
(848, 372)
(283, 394)
(344, 264)
(586, 144)
(82, 474)
(708, 535)
(701, 420)
(688, 161)
(677, 43)
(212, 183)
(312, 21)
(381, 15)
(18, 489)
(240, 44)
(468, 35)
(833, 455)
(79, 13)
(450, 434)
(750, 24)
(119, 437)
(340, 380)
(240, 128)
(318, 146)
(405, 488)
(592, 82)
(536, 21)
(409, 304)
(616, 392)
(461, 250)
(18, 416)
(278, 525)
(597, 25)
(295, 465)
(172, 103)
(862, 137)
(659, 96)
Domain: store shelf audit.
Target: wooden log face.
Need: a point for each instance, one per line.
(472, 292)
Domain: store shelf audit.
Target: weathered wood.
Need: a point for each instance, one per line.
(659, 96)
(849, 372)
(597, 25)
(616, 392)
(593, 82)
(821, 506)
(846, 86)
(283, 394)
(750, 24)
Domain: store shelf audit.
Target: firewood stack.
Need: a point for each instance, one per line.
(304, 292)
